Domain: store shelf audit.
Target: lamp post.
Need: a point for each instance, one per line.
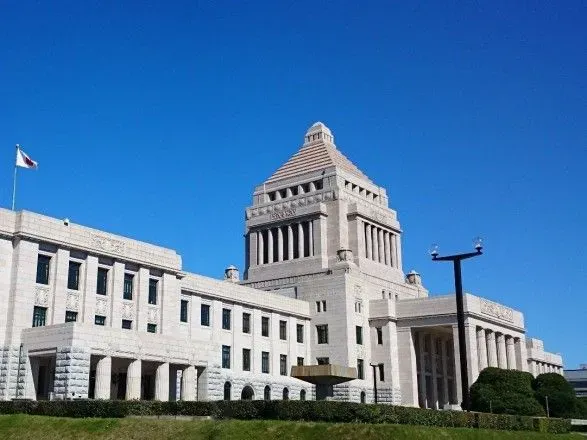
(375, 380)
(456, 259)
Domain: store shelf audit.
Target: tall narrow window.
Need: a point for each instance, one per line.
(300, 361)
(267, 393)
(43, 263)
(205, 315)
(225, 356)
(318, 306)
(322, 331)
(283, 364)
(102, 281)
(153, 291)
(360, 369)
(303, 395)
(227, 390)
(264, 326)
(183, 312)
(246, 359)
(70, 316)
(283, 330)
(359, 334)
(73, 275)
(300, 333)
(128, 286)
(382, 372)
(39, 316)
(246, 323)
(285, 394)
(226, 319)
(323, 306)
(379, 335)
(264, 362)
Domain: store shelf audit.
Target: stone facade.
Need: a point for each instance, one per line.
(92, 314)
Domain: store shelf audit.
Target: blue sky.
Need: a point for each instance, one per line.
(155, 120)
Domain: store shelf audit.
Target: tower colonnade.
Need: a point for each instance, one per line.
(285, 242)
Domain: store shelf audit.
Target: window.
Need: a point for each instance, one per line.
(318, 306)
(267, 393)
(73, 275)
(300, 361)
(323, 306)
(264, 362)
(70, 316)
(152, 328)
(300, 333)
(102, 281)
(303, 395)
(126, 324)
(246, 359)
(43, 262)
(285, 394)
(226, 319)
(358, 307)
(360, 370)
(283, 364)
(382, 372)
(264, 326)
(323, 361)
(205, 315)
(227, 390)
(39, 316)
(363, 397)
(153, 291)
(225, 356)
(99, 320)
(379, 335)
(246, 323)
(359, 334)
(128, 286)
(322, 331)
(183, 312)
(283, 330)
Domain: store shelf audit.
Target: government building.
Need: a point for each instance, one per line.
(324, 309)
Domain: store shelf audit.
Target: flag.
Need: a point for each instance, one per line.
(23, 160)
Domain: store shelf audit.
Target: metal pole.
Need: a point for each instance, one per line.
(547, 409)
(14, 188)
(462, 337)
(374, 382)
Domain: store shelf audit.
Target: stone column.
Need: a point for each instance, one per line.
(279, 244)
(521, 354)
(375, 243)
(531, 368)
(300, 240)
(481, 348)
(510, 352)
(162, 382)
(133, 380)
(422, 371)
(369, 240)
(387, 248)
(290, 243)
(381, 246)
(398, 251)
(311, 237)
(492, 349)
(445, 391)
(188, 383)
(435, 397)
(103, 378)
(72, 372)
(501, 351)
(261, 248)
(270, 245)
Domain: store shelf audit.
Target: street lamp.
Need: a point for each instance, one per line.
(456, 259)
(375, 380)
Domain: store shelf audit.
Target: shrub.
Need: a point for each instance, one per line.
(505, 392)
(562, 401)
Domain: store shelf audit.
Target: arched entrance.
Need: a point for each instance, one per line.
(227, 390)
(247, 393)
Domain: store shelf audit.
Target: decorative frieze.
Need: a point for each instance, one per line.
(101, 306)
(496, 310)
(42, 296)
(107, 244)
(72, 302)
(152, 315)
(128, 310)
(287, 209)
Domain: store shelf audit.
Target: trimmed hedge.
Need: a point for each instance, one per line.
(323, 411)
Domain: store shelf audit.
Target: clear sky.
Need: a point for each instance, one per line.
(155, 120)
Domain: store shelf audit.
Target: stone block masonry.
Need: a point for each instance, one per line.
(72, 373)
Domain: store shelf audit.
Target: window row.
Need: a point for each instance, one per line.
(265, 360)
(248, 393)
(293, 191)
(349, 186)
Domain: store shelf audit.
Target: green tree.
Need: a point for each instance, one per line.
(562, 401)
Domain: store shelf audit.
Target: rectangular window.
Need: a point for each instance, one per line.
(226, 356)
(73, 275)
(323, 361)
(323, 306)
(226, 319)
(382, 372)
(246, 359)
(127, 324)
(318, 306)
(300, 333)
(246, 323)
(70, 316)
(128, 286)
(43, 262)
(183, 311)
(102, 281)
(300, 361)
(360, 370)
(264, 326)
(322, 331)
(283, 364)
(264, 362)
(379, 336)
(39, 316)
(359, 334)
(205, 315)
(99, 320)
(153, 291)
(283, 330)
(152, 328)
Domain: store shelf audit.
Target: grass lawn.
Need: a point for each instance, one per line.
(40, 428)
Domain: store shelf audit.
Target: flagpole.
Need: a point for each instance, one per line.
(14, 188)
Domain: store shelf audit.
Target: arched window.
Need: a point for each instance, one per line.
(363, 397)
(267, 393)
(285, 394)
(227, 390)
(247, 393)
(303, 395)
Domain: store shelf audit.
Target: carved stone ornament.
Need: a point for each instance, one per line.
(128, 310)
(101, 306)
(72, 302)
(42, 296)
(358, 290)
(497, 310)
(107, 244)
(152, 315)
(345, 255)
